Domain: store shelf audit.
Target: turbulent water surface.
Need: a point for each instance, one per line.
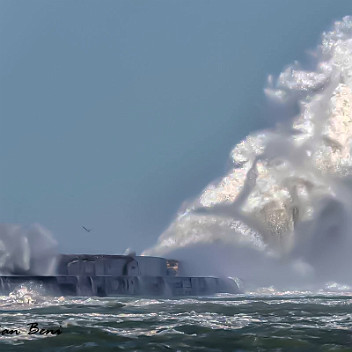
(265, 320)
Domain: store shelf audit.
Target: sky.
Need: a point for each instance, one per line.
(113, 113)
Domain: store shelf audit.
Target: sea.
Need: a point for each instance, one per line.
(263, 320)
(282, 213)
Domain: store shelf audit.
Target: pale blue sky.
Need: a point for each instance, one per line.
(112, 113)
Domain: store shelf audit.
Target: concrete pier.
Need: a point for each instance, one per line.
(118, 275)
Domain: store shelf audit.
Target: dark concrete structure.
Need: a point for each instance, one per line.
(114, 275)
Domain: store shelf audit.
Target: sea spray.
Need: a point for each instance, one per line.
(282, 213)
(29, 250)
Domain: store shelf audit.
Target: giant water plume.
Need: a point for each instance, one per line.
(283, 212)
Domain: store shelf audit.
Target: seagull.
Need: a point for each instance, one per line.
(84, 228)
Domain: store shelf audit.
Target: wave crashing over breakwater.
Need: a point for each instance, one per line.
(281, 214)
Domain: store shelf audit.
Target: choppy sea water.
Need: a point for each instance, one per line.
(255, 321)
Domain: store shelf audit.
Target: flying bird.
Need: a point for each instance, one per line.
(84, 228)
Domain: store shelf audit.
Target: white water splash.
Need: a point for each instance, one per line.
(26, 250)
(282, 212)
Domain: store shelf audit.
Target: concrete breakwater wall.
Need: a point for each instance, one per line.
(116, 275)
(116, 265)
(121, 285)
